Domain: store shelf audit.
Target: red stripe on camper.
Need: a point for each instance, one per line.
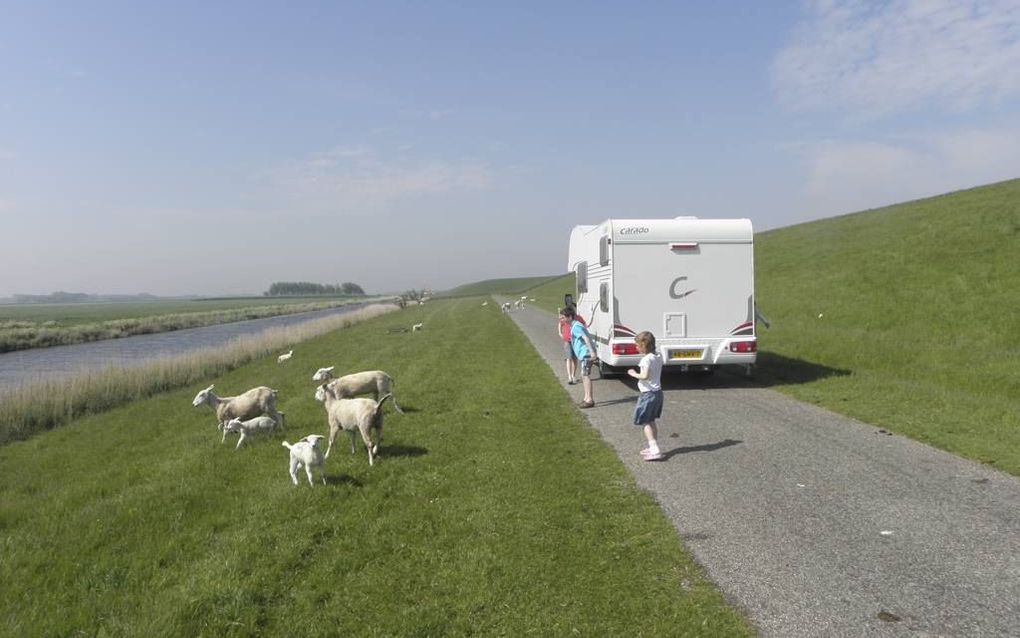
(622, 331)
(742, 327)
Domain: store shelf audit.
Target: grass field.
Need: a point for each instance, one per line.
(918, 327)
(493, 510)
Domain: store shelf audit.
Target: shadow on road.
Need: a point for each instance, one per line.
(772, 370)
(776, 370)
(708, 447)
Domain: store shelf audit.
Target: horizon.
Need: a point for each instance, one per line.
(196, 150)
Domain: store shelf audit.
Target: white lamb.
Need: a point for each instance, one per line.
(248, 428)
(417, 327)
(374, 382)
(253, 403)
(306, 453)
(283, 357)
(351, 415)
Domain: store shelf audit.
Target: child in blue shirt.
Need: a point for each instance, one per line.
(584, 350)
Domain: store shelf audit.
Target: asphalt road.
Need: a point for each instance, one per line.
(812, 523)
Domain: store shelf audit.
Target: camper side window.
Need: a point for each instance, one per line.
(604, 251)
(582, 278)
(604, 296)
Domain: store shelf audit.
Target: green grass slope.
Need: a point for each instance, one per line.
(511, 286)
(493, 509)
(904, 317)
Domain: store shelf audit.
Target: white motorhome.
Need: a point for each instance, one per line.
(688, 281)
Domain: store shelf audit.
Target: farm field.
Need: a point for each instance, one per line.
(71, 314)
(493, 510)
(43, 325)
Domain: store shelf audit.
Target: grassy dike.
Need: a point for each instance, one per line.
(494, 510)
(903, 317)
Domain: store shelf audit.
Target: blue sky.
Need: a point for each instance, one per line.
(214, 148)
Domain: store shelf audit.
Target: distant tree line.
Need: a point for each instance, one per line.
(288, 288)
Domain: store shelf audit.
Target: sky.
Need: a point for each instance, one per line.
(213, 148)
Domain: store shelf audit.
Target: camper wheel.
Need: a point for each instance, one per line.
(606, 370)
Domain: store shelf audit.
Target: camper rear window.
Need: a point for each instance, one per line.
(582, 277)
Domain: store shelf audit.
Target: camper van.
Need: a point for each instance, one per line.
(688, 281)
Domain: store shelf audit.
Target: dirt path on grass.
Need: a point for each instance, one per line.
(815, 524)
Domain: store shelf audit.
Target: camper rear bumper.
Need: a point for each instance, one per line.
(690, 352)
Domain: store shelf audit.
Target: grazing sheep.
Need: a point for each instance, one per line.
(248, 428)
(306, 453)
(283, 357)
(485, 303)
(374, 382)
(350, 415)
(253, 403)
(416, 327)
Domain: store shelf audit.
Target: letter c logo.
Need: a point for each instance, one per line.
(674, 293)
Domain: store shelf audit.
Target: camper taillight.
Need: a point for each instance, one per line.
(624, 348)
(744, 346)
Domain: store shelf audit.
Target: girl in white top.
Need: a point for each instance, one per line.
(649, 404)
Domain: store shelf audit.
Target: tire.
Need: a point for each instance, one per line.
(607, 371)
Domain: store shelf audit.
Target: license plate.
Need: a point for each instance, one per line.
(685, 354)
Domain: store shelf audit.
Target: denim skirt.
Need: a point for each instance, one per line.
(648, 408)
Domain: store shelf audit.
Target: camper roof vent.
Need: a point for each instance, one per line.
(686, 217)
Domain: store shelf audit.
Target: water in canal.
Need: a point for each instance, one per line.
(30, 365)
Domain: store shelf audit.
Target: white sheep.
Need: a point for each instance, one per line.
(248, 428)
(374, 382)
(307, 453)
(485, 303)
(417, 327)
(505, 307)
(283, 357)
(253, 403)
(353, 415)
